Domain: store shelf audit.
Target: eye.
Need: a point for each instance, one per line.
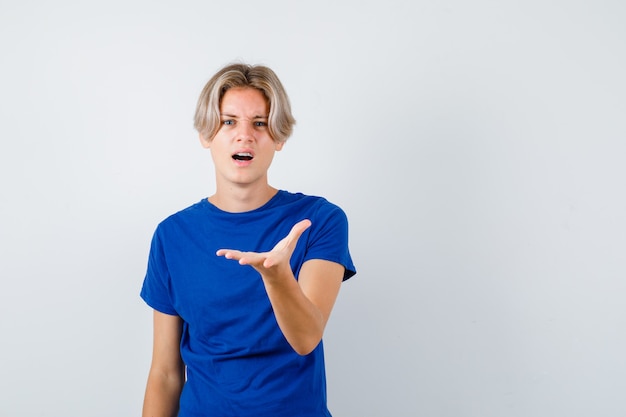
(260, 124)
(228, 122)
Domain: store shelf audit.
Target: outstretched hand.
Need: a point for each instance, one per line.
(279, 256)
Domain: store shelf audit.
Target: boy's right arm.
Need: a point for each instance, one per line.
(167, 371)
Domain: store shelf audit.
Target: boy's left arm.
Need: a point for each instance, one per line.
(302, 307)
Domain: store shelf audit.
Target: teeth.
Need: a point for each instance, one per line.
(243, 156)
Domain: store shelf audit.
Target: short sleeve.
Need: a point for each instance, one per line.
(328, 239)
(156, 289)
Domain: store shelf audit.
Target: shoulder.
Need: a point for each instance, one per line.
(322, 212)
(306, 200)
(189, 214)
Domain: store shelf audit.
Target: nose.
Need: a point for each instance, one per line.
(245, 132)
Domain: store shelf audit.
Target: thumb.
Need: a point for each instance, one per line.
(299, 228)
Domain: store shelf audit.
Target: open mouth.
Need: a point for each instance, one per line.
(242, 156)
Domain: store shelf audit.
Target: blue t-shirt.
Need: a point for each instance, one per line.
(238, 361)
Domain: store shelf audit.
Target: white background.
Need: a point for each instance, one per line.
(477, 147)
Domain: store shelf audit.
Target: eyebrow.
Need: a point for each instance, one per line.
(235, 116)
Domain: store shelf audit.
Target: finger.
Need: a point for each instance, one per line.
(299, 228)
(229, 253)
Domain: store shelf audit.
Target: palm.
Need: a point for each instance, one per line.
(278, 257)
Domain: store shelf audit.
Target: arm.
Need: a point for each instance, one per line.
(301, 307)
(167, 371)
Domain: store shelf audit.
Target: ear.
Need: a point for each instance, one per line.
(206, 143)
(279, 145)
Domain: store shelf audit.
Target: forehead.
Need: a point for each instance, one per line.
(245, 101)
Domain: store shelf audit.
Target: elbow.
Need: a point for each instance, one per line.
(304, 348)
(303, 352)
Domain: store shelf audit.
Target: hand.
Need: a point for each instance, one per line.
(268, 262)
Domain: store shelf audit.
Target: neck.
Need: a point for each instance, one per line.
(239, 200)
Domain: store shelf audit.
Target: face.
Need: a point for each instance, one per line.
(242, 149)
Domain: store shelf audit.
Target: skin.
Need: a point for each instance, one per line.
(302, 307)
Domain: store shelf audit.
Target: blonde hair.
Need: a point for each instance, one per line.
(207, 116)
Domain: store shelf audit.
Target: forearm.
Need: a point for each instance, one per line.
(301, 306)
(301, 322)
(162, 394)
